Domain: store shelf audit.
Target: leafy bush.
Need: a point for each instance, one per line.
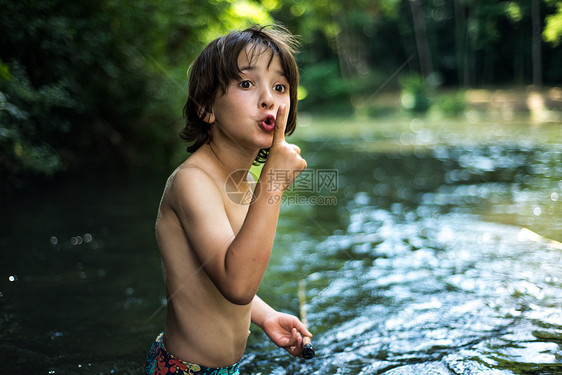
(73, 83)
(327, 90)
(414, 94)
(29, 117)
(452, 104)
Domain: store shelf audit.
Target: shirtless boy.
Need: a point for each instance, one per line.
(214, 246)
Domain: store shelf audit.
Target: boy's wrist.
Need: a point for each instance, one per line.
(264, 191)
(261, 311)
(278, 180)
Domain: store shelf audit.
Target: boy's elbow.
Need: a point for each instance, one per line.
(238, 295)
(241, 300)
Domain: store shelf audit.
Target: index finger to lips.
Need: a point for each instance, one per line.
(280, 125)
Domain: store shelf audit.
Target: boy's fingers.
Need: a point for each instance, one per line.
(295, 345)
(280, 125)
(304, 330)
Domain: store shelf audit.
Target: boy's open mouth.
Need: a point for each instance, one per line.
(268, 123)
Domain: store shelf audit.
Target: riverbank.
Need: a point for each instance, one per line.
(503, 103)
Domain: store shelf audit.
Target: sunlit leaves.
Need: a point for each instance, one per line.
(513, 10)
(238, 15)
(553, 29)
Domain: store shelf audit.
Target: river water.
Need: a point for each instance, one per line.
(426, 248)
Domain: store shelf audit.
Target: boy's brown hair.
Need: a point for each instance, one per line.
(217, 65)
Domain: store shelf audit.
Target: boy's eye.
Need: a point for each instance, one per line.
(245, 84)
(280, 88)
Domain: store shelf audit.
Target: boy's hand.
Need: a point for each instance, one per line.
(286, 331)
(284, 162)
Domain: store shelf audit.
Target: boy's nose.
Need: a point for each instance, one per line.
(266, 100)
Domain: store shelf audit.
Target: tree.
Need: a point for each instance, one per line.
(536, 44)
(418, 16)
(553, 29)
(86, 82)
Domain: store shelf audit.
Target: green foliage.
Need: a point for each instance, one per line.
(414, 95)
(5, 74)
(326, 89)
(452, 104)
(78, 84)
(97, 82)
(104, 82)
(28, 117)
(553, 29)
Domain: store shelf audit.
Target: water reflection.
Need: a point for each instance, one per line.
(433, 258)
(434, 272)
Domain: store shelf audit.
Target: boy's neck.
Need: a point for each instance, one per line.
(231, 159)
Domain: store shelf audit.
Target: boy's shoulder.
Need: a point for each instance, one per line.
(191, 181)
(193, 197)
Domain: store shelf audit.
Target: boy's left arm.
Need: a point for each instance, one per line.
(284, 330)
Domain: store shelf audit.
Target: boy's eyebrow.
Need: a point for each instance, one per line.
(252, 67)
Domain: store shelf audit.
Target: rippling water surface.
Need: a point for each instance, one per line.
(437, 251)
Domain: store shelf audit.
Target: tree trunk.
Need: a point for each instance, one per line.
(421, 37)
(460, 41)
(470, 47)
(536, 44)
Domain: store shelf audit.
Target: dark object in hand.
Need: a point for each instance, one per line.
(308, 349)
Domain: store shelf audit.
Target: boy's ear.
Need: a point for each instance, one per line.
(206, 116)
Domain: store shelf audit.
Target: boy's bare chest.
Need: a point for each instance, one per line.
(236, 198)
(236, 214)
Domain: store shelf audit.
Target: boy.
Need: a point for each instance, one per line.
(214, 243)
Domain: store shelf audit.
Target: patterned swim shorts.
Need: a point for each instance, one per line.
(161, 362)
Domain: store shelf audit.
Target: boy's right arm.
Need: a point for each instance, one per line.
(236, 263)
(285, 330)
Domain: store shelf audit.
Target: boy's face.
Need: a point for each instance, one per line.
(246, 112)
